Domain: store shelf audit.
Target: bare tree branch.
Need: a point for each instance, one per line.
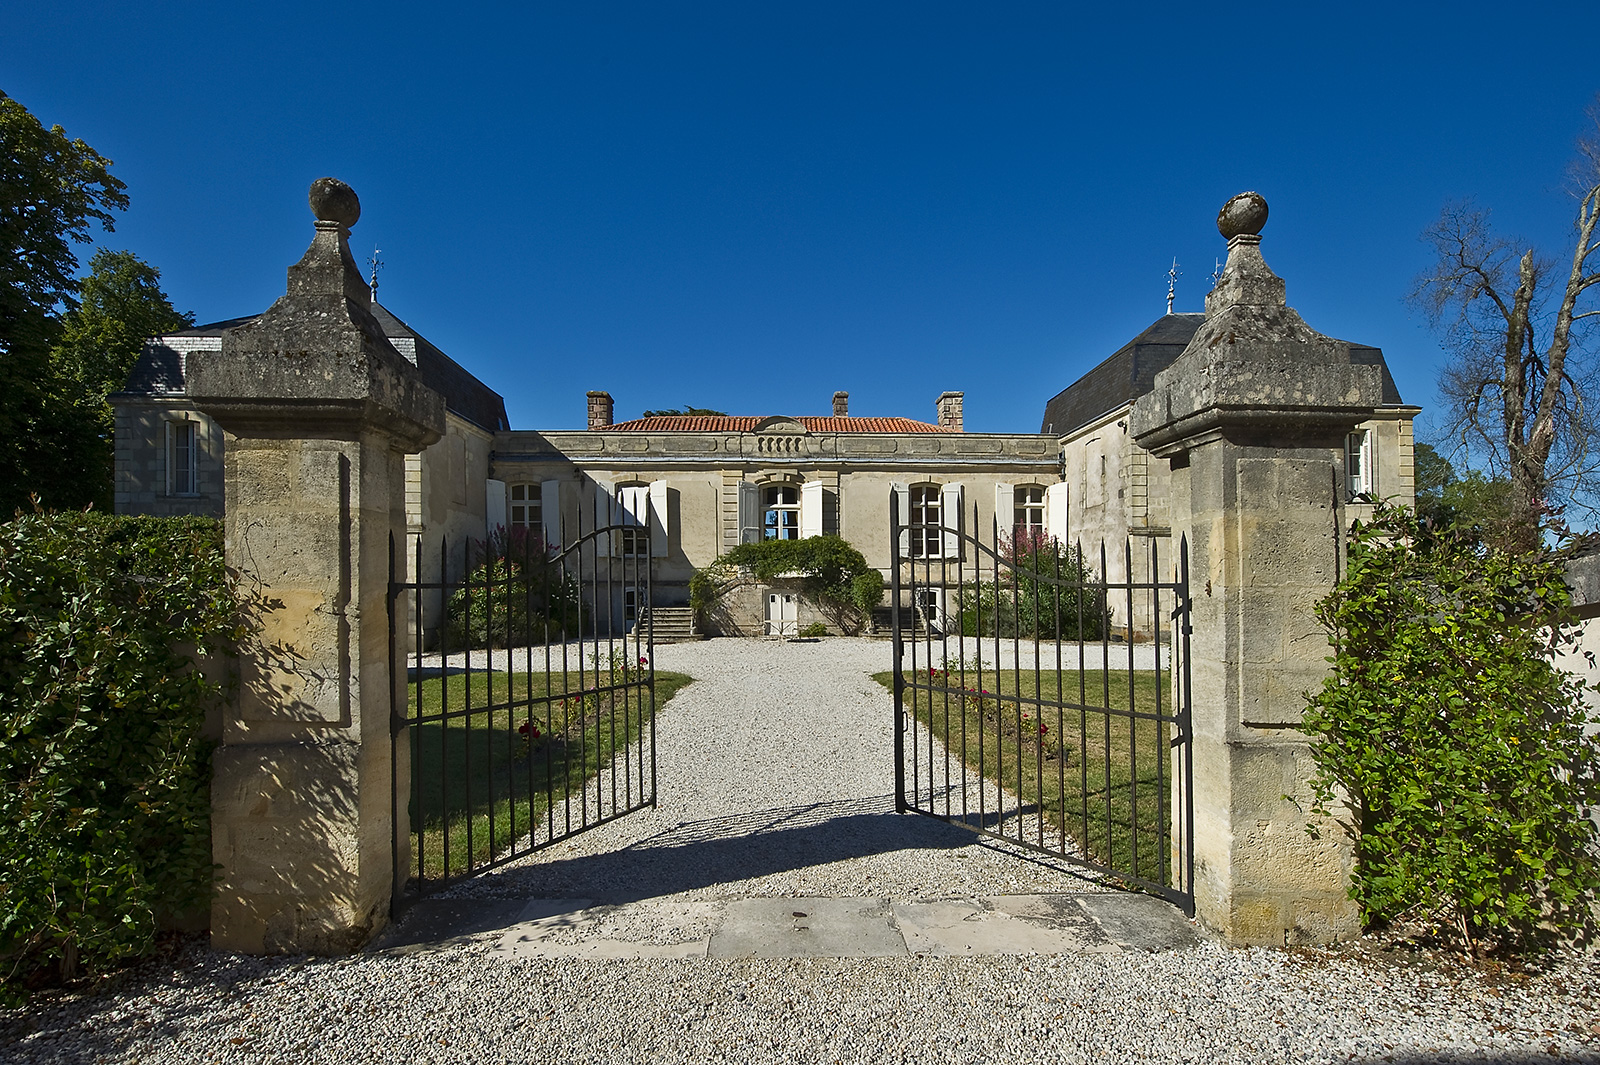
(1525, 372)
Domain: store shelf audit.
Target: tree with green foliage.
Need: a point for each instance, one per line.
(828, 572)
(1475, 501)
(515, 594)
(1455, 755)
(1042, 589)
(121, 306)
(52, 190)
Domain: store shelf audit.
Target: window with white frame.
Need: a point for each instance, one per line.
(927, 531)
(1028, 513)
(527, 507)
(1358, 464)
(182, 452)
(634, 503)
(781, 512)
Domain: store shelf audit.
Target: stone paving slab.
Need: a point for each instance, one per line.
(808, 928)
(805, 927)
(1002, 925)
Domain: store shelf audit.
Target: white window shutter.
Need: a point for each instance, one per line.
(550, 514)
(1369, 472)
(605, 509)
(494, 500)
(811, 509)
(950, 499)
(901, 495)
(658, 518)
(749, 513)
(1056, 500)
(1005, 507)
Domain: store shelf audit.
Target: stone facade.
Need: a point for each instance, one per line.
(706, 490)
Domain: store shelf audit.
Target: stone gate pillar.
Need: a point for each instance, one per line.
(1253, 417)
(319, 411)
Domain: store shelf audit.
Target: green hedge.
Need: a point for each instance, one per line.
(1457, 752)
(104, 775)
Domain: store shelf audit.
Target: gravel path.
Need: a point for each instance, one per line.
(776, 779)
(773, 822)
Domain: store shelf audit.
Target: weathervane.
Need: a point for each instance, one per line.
(1173, 273)
(376, 264)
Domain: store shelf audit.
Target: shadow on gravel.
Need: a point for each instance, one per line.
(106, 1022)
(724, 850)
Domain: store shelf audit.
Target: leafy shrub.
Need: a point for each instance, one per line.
(1458, 748)
(104, 775)
(1044, 589)
(814, 630)
(830, 573)
(515, 595)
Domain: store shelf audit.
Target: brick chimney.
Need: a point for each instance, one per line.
(600, 410)
(841, 404)
(950, 411)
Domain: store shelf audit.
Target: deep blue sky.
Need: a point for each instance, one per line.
(748, 206)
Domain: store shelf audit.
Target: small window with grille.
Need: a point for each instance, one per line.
(526, 506)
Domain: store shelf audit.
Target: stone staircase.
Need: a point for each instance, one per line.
(882, 622)
(672, 624)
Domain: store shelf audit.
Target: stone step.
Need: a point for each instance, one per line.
(672, 624)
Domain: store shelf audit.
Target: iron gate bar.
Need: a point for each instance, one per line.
(484, 727)
(921, 580)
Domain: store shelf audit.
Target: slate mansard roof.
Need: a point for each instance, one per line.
(1131, 371)
(748, 423)
(160, 369)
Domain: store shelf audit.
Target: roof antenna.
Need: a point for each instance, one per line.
(376, 264)
(1173, 273)
(1216, 272)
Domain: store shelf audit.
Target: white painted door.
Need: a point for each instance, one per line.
(783, 614)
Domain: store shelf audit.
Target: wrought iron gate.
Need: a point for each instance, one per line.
(527, 712)
(1022, 713)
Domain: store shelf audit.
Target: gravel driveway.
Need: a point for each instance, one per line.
(774, 782)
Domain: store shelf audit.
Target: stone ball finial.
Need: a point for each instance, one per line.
(334, 201)
(1245, 213)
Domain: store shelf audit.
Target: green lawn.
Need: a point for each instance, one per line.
(1094, 773)
(479, 784)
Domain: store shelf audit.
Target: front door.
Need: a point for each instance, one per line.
(783, 614)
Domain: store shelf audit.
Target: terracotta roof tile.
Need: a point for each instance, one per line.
(745, 423)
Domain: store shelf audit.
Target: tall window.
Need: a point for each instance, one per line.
(634, 504)
(181, 455)
(1028, 521)
(526, 507)
(782, 506)
(927, 532)
(1358, 463)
